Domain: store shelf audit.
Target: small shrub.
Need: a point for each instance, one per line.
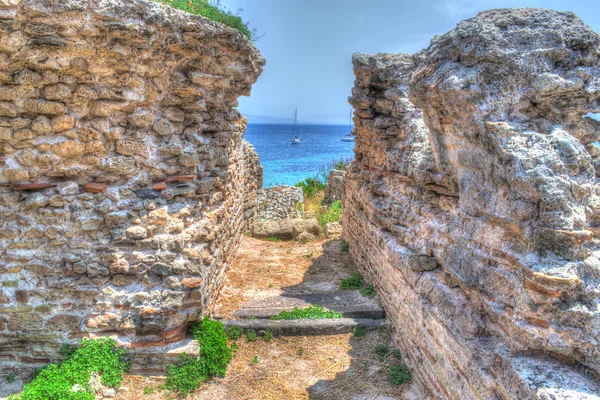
(358, 331)
(344, 246)
(10, 378)
(251, 335)
(267, 335)
(234, 332)
(312, 312)
(354, 282)
(398, 374)
(368, 291)
(381, 350)
(272, 239)
(311, 186)
(148, 390)
(215, 12)
(56, 381)
(332, 214)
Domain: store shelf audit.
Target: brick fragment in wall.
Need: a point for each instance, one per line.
(472, 205)
(121, 191)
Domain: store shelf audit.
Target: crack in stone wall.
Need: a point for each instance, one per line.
(124, 179)
(472, 204)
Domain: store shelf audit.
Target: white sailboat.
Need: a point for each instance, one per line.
(349, 137)
(295, 137)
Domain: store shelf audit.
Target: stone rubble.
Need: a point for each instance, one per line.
(473, 205)
(124, 180)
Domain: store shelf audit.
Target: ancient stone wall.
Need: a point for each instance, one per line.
(122, 171)
(473, 205)
(335, 185)
(279, 202)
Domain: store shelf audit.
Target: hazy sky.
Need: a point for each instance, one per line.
(309, 44)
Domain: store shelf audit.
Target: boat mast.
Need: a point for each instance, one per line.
(295, 121)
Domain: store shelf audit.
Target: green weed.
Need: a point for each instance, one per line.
(234, 332)
(267, 335)
(255, 360)
(251, 335)
(272, 239)
(358, 331)
(10, 378)
(56, 381)
(188, 373)
(344, 246)
(381, 350)
(398, 374)
(312, 312)
(368, 291)
(354, 282)
(148, 390)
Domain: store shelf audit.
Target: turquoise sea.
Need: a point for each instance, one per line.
(285, 163)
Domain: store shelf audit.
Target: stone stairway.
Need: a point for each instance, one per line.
(268, 278)
(357, 311)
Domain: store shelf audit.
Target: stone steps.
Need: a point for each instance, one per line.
(349, 302)
(307, 327)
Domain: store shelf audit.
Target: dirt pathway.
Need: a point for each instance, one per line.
(307, 367)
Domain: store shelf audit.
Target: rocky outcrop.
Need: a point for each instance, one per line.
(122, 171)
(472, 205)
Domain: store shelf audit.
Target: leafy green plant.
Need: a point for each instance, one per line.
(214, 353)
(358, 331)
(344, 246)
(56, 381)
(272, 239)
(332, 214)
(255, 360)
(10, 378)
(397, 354)
(398, 374)
(234, 347)
(234, 332)
(354, 282)
(148, 390)
(215, 12)
(311, 186)
(267, 335)
(312, 312)
(188, 373)
(368, 291)
(381, 350)
(251, 335)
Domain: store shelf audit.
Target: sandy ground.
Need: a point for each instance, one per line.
(265, 269)
(314, 367)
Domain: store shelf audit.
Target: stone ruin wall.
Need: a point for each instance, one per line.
(473, 205)
(279, 202)
(123, 174)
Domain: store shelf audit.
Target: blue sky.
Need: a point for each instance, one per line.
(309, 44)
